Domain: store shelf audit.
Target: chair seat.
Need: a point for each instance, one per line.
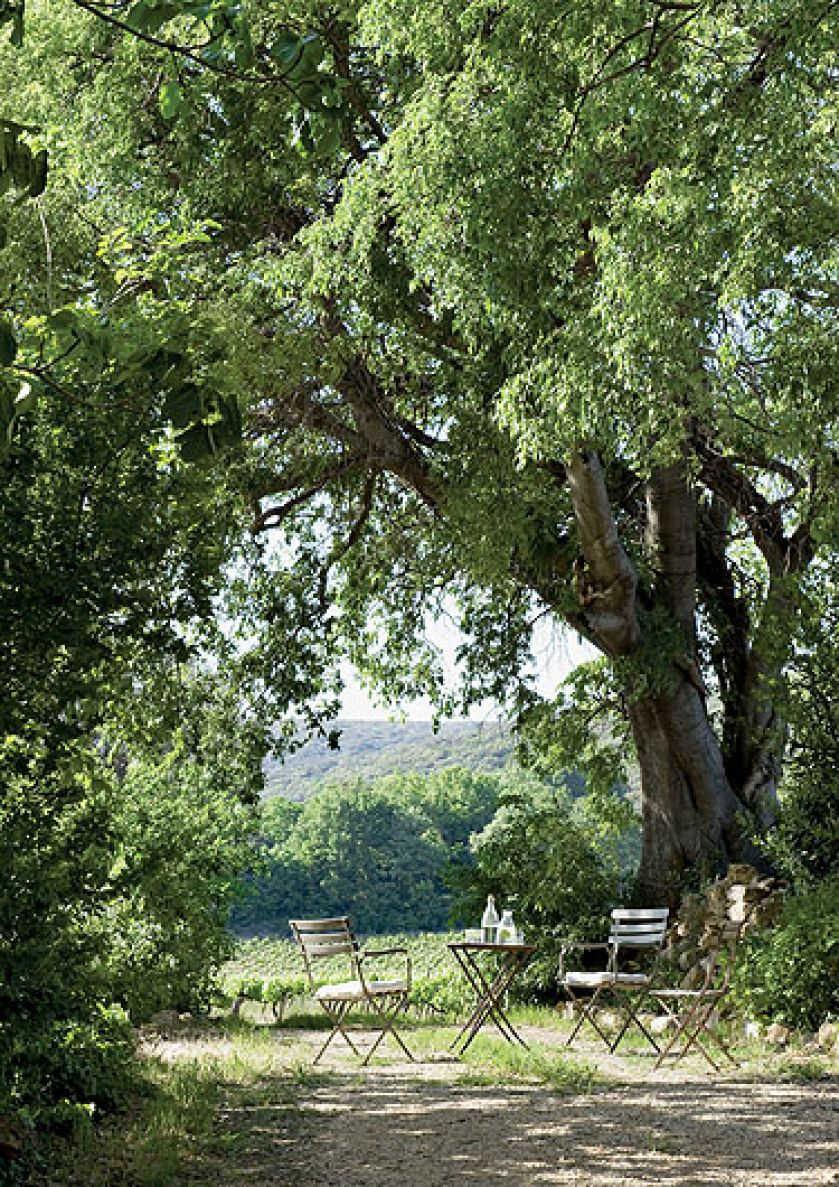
(354, 991)
(687, 994)
(602, 980)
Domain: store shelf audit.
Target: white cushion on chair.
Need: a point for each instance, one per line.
(588, 980)
(599, 980)
(354, 991)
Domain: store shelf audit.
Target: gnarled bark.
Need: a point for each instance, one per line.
(693, 816)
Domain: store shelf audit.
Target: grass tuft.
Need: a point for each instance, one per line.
(805, 1071)
(495, 1061)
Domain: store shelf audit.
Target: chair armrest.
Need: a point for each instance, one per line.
(579, 946)
(567, 945)
(365, 952)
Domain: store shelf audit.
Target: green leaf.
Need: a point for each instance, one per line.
(65, 319)
(298, 57)
(26, 400)
(326, 131)
(312, 51)
(38, 182)
(310, 95)
(243, 53)
(196, 444)
(8, 344)
(183, 405)
(170, 99)
(228, 429)
(287, 50)
(148, 17)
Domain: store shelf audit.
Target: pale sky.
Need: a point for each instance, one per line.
(556, 652)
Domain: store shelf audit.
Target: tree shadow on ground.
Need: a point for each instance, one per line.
(345, 1129)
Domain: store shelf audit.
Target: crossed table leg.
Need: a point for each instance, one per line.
(489, 991)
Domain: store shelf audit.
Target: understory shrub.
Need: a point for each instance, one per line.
(542, 856)
(805, 843)
(791, 973)
(117, 881)
(90, 1063)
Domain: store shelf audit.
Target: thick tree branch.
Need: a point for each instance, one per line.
(729, 619)
(763, 518)
(671, 543)
(607, 581)
(303, 408)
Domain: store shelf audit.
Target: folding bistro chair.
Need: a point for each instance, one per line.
(695, 1009)
(386, 999)
(634, 932)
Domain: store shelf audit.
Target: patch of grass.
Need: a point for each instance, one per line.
(183, 1121)
(143, 1147)
(804, 1070)
(495, 1061)
(547, 1017)
(661, 1144)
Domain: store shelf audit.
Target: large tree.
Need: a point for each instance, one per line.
(530, 309)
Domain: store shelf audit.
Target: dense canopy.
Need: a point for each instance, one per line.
(519, 309)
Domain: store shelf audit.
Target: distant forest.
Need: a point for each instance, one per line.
(388, 828)
(377, 748)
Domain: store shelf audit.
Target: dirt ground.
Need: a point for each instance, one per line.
(425, 1125)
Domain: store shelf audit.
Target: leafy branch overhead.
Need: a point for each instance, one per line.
(533, 319)
(220, 41)
(22, 171)
(23, 175)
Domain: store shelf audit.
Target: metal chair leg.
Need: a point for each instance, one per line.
(336, 1017)
(588, 1015)
(387, 1027)
(630, 1013)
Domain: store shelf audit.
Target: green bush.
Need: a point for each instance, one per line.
(283, 989)
(446, 994)
(791, 973)
(541, 855)
(69, 1063)
(805, 842)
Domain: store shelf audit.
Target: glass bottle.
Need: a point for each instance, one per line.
(489, 922)
(506, 928)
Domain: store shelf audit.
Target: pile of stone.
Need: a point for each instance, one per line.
(742, 902)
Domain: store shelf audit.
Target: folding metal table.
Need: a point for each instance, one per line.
(490, 982)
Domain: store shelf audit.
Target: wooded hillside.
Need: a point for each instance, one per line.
(376, 748)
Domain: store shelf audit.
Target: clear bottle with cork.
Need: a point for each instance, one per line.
(489, 922)
(507, 933)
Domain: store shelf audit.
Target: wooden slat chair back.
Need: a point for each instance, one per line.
(330, 938)
(634, 932)
(695, 1009)
(637, 929)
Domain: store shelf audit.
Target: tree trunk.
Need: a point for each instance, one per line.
(692, 818)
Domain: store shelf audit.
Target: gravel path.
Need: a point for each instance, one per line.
(401, 1126)
(692, 1134)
